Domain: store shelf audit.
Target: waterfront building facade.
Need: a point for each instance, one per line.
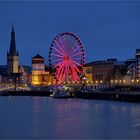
(38, 70)
(103, 70)
(137, 64)
(25, 76)
(87, 76)
(100, 71)
(40, 74)
(110, 71)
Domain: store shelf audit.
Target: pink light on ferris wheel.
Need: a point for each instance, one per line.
(66, 57)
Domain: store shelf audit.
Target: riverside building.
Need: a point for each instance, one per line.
(40, 75)
(109, 71)
(137, 64)
(38, 70)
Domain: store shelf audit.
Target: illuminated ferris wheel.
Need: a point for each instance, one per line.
(66, 57)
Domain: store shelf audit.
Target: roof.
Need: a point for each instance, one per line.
(38, 56)
(114, 62)
(119, 63)
(21, 69)
(91, 63)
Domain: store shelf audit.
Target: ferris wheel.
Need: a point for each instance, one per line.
(67, 57)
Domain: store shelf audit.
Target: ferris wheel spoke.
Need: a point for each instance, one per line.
(59, 64)
(58, 45)
(77, 54)
(76, 58)
(61, 41)
(70, 41)
(74, 73)
(73, 41)
(75, 50)
(59, 74)
(61, 48)
(62, 72)
(57, 60)
(60, 56)
(60, 68)
(65, 41)
(64, 45)
(68, 71)
(76, 63)
(76, 68)
(58, 51)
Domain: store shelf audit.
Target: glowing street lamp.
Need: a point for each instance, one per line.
(123, 81)
(84, 78)
(96, 82)
(101, 81)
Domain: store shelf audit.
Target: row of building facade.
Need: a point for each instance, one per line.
(110, 71)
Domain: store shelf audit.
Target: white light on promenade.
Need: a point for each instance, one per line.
(111, 81)
(132, 80)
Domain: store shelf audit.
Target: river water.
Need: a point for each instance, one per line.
(46, 117)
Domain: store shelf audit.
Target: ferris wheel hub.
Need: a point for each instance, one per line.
(66, 57)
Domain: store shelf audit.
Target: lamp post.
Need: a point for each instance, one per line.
(84, 81)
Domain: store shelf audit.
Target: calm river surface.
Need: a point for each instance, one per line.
(46, 117)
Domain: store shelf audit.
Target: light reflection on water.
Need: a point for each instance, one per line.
(43, 117)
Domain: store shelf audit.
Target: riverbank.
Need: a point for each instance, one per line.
(25, 93)
(119, 96)
(100, 95)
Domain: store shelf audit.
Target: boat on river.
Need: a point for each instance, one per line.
(61, 93)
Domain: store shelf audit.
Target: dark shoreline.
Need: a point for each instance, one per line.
(120, 96)
(25, 93)
(100, 95)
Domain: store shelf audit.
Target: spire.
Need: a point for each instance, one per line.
(12, 50)
(13, 32)
(12, 28)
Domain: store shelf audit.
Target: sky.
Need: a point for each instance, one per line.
(107, 29)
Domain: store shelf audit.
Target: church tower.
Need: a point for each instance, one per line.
(12, 55)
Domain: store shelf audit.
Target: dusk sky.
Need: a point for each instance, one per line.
(106, 29)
